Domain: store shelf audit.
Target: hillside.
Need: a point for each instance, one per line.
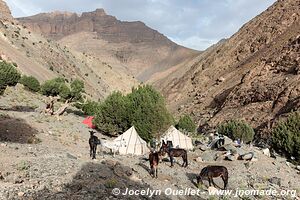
(131, 46)
(254, 75)
(45, 59)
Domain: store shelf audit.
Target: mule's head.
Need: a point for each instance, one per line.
(164, 148)
(92, 132)
(199, 180)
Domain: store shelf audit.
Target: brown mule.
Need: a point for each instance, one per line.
(165, 148)
(211, 172)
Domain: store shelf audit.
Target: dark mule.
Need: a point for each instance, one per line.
(154, 158)
(211, 172)
(165, 148)
(93, 141)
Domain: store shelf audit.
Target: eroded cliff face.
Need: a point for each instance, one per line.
(254, 75)
(5, 13)
(131, 45)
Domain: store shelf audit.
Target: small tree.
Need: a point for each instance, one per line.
(77, 88)
(236, 129)
(111, 117)
(186, 123)
(90, 108)
(144, 108)
(286, 135)
(55, 87)
(9, 76)
(30, 83)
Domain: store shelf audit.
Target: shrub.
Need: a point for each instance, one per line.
(90, 108)
(77, 88)
(186, 123)
(30, 83)
(144, 108)
(147, 112)
(111, 117)
(55, 87)
(286, 135)
(9, 74)
(236, 129)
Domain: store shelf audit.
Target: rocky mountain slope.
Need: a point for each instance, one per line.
(5, 13)
(253, 75)
(45, 59)
(132, 46)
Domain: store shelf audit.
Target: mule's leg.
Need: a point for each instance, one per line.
(209, 180)
(185, 161)
(225, 180)
(171, 159)
(91, 150)
(156, 172)
(94, 151)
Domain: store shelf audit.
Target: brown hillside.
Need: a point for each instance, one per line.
(46, 59)
(131, 45)
(253, 75)
(5, 13)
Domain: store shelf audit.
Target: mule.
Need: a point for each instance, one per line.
(172, 152)
(213, 171)
(93, 142)
(154, 158)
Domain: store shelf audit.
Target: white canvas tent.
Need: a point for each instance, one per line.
(131, 143)
(178, 139)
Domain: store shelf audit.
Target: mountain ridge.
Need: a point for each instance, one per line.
(137, 47)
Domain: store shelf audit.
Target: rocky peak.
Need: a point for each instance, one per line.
(5, 13)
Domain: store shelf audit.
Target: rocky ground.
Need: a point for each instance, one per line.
(42, 158)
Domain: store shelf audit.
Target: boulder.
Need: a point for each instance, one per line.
(298, 167)
(247, 156)
(266, 152)
(231, 157)
(231, 148)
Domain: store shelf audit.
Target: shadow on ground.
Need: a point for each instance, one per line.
(19, 108)
(17, 130)
(96, 181)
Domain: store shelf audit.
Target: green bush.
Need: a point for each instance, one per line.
(77, 88)
(55, 87)
(30, 83)
(186, 123)
(236, 129)
(90, 108)
(286, 135)
(9, 76)
(144, 108)
(111, 117)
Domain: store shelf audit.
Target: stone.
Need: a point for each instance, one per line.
(275, 181)
(247, 156)
(199, 159)
(298, 167)
(203, 147)
(231, 157)
(266, 152)
(21, 194)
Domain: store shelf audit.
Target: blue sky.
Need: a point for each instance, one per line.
(192, 23)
